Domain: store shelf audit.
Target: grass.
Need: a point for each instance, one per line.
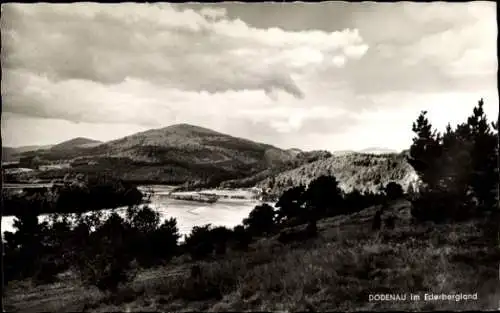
(334, 272)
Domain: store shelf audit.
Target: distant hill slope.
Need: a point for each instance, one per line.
(10, 154)
(377, 150)
(79, 142)
(300, 158)
(188, 143)
(174, 154)
(343, 152)
(356, 170)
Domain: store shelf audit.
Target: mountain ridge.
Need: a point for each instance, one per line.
(172, 154)
(197, 156)
(78, 142)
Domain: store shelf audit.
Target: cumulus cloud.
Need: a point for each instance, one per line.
(184, 49)
(309, 82)
(446, 47)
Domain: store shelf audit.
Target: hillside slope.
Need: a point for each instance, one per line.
(356, 170)
(79, 142)
(377, 150)
(299, 159)
(174, 154)
(333, 272)
(10, 154)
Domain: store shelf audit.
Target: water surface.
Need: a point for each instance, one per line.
(225, 212)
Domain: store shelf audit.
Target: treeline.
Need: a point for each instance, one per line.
(458, 168)
(101, 250)
(75, 194)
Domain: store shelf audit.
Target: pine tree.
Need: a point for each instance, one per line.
(290, 204)
(484, 177)
(260, 220)
(425, 151)
(323, 197)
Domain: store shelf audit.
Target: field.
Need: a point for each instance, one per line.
(336, 271)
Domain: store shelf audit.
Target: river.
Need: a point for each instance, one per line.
(225, 212)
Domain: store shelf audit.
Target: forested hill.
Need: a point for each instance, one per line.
(354, 170)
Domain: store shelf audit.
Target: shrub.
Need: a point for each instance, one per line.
(241, 238)
(440, 205)
(106, 262)
(221, 236)
(394, 191)
(47, 271)
(323, 197)
(290, 204)
(199, 242)
(150, 242)
(260, 221)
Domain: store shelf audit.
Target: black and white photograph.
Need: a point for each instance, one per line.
(268, 156)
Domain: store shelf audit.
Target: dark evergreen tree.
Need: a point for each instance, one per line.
(290, 204)
(484, 176)
(460, 175)
(221, 236)
(260, 220)
(354, 200)
(425, 152)
(199, 243)
(241, 238)
(323, 197)
(393, 190)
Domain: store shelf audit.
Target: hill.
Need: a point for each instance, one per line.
(78, 142)
(378, 150)
(355, 170)
(343, 152)
(11, 154)
(175, 154)
(299, 159)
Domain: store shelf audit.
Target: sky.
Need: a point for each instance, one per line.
(331, 75)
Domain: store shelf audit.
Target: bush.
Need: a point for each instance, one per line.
(441, 205)
(106, 262)
(323, 197)
(47, 271)
(394, 191)
(199, 242)
(24, 248)
(221, 236)
(290, 204)
(241, 238)
(164, 240)
(260, 221)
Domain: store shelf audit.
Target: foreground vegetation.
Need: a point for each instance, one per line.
(318, 249)
(335, 271)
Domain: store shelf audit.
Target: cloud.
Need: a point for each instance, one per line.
(132, 100)
(213, 13)
(423, 47)
(183, 49)
(335, 75)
